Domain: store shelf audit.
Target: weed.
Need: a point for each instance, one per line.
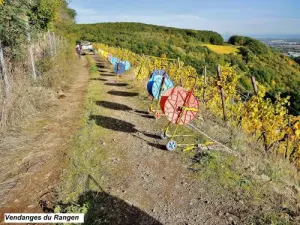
(72, 208)
(272, 219)
(93, 69)
(86, 150)
(29, 98)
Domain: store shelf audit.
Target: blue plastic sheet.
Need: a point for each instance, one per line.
(127, 65)
(157, 72)
(114, 60)
(119, 68)
(154, 86)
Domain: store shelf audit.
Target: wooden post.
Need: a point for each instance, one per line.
(31, 56)
(287, 139)
(50, 43)
(3, 72)
(32, 62)
(54, 43)
(263, 133)
(205, 82)
(178, 62)
(219, 73)
(254, 84)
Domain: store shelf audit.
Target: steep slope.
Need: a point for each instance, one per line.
(276, 71)
(120, 173)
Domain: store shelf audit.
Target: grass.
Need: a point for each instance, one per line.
(236, 178)
(28, 98)
(260, 181)
(87, 149)
(223, 49)
(38, 124)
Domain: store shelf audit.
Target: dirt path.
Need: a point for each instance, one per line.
(137, 170)
(100, 149)
(31, 161)
(131, 178)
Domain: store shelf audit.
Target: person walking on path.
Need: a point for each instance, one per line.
(78, 50)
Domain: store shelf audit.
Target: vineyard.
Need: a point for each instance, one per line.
(257, 115)
(212, 138)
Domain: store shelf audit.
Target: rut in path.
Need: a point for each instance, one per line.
(138, 170)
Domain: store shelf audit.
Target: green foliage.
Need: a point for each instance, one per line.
(13, 33)
(263, 75)
(271, 68)
(245, 82)
(19, 19)
(150, 39)
(272, 219)
(42, 14)
(237, 40)
(255, 46)
(93, 69)
(297, 59)
(72, 209)
(86, 152)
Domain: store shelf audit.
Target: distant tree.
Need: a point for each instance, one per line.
(297, 59)
(256, 46)
(237, 40)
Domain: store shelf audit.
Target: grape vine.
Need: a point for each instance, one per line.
(258, 116)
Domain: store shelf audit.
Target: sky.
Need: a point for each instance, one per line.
(257, 18)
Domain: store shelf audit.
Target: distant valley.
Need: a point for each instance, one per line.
(290, 47)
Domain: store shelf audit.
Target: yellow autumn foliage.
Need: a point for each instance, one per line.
(222, 49)
(257, 116)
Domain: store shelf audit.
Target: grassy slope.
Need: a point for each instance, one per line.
(83, 161)
(272, 69)
(263, 188)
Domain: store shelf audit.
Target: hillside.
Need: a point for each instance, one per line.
(37, 67)
(77, 135)
(118, 171)
(277, 72)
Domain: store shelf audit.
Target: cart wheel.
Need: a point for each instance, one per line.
(163, 136)
(171, 145)
(157, 115)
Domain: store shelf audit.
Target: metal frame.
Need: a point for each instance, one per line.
(157, 111)
(172, 144)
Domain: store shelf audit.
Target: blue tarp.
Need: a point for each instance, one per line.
(157, 72)
(127, 64)
(155, 82)
(114, 60)
(119, 68)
